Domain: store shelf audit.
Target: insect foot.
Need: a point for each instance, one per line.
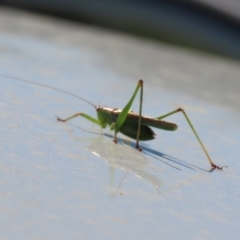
(216, 167)
(138, 148)
(60, 120)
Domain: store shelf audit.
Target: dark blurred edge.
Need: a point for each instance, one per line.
(183, 23)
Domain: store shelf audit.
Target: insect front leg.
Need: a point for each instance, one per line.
(195, 133)
(91, 119)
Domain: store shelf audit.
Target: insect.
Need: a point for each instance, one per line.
(135, 126)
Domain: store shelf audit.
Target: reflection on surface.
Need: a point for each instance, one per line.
(125, 158)
(143, 165)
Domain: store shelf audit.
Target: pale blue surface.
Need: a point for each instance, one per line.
(68, 181)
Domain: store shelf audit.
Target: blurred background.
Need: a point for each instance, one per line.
(67, 181)
(211, 26)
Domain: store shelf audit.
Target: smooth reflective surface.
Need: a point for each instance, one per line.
(70, 181)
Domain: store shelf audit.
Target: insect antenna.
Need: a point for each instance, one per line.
(50, 87)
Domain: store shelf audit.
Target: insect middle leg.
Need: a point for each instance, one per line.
(122, 117)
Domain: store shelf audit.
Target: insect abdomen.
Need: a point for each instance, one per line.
(130, 130)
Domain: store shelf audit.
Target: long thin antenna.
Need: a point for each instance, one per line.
(46, 86)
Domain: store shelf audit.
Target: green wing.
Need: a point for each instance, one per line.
(133, 118)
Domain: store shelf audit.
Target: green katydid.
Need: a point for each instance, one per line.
(125, 121)
(134, 125)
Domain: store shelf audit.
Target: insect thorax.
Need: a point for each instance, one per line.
(103, 114)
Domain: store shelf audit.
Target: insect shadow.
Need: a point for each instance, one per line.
(153, 153)
(124, 158)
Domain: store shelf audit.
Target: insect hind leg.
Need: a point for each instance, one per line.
(214, 166)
